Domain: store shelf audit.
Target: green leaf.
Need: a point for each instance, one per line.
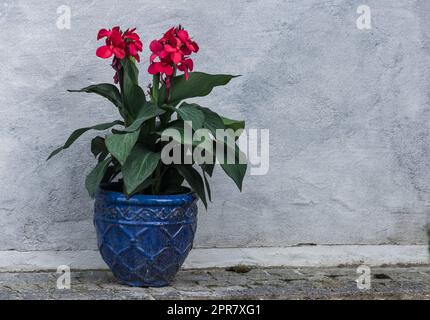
(120, 145)
(180, 126)
(131, 72)
(130, 75)
(95, 177)
(145, 184)
(106, 90)
(233, 124)
(199, 84)
(98, 146)
(209, 168)
(147, 113)
(194, 180)
(171, 180)
(237, 170)
(77, 133)
(208, 188)
(191, 112)
(136, 100)
(212, 120)
(111, 172)
(184, 138)
(138, 167)
(133, 94)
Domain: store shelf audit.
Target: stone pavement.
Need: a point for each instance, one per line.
(391, 282)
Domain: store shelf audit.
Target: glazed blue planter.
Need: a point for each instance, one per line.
(145, 239)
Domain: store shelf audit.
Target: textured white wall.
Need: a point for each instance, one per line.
(347, 109)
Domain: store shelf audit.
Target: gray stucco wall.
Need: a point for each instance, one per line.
(347, 109)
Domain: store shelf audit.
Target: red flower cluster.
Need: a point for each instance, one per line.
(120, 45)
(172, 50)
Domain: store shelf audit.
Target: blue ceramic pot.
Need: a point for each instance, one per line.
(145, 239)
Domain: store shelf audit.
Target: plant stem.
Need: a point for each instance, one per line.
(155, 88)
(170, 92)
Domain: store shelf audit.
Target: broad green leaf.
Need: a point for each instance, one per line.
(136, 101)
(212, 120)
(106, 90)
(147, 113)
(191, 112)
(182, 133)
(138, 167)
(95, 177)
(77, 133)
(181, 127)
(133, 94)
(194, 180)
(233, 124)
(236, 171)
(120, 145)
(199, 84)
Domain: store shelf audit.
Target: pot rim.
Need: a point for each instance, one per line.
(146, 200)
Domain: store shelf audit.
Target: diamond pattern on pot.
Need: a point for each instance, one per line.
(140, 250)
(180, 239)
(160, 239)
(133, 258)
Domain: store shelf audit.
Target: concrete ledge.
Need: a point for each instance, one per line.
(302, 256)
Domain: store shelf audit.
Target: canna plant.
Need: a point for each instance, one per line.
(129, 157)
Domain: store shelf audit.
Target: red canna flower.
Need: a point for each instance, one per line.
(115, 44)
(120, 45)
(133, 44)
(172, 52)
